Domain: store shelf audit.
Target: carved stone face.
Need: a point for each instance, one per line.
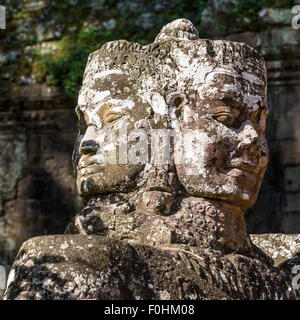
(195, 87)
(230, 110)
(106, 106)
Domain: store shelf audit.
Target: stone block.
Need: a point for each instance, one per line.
(292, 179)
(276, 16)
(291, 203)
(290, 223)
(286, 115)
(276, 43)
(278, 246)
(289, 152)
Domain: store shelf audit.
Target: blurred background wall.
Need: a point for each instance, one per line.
(43, 52)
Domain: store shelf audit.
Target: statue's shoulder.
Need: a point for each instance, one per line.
(284, 249)
(93, 267)
(101, 268)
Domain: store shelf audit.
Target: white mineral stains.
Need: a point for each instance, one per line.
(252, 78)
(122, 103)
(212, 75)
(203, 75)
(232, 154)
(247, 135)
(47, 282)
(174, 24)
(198, 72)
(82, 98)
(287, 245)
(89, 97)
(99, 96)
(245, 196)
(186, 114)
(195, 144)
(117, 109)
(103, 74)
(263, 144)
(157, 102)
(183, 60)
(90, 134)
(230, 87)
(144, 174)
(92, 67)
(91, 214)
(252, 101)
(64, 246)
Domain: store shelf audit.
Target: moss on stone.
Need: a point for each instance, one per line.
(80, 28)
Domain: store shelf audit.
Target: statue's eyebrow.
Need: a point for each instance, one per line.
(225, 97)
(231, 101)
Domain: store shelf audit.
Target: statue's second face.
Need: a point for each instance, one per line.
(230, 111)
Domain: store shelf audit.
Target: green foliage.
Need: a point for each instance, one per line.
(248, 6)
(64, 67)
(244, 6)
(279, 3)
(247, 9)
(66, 70)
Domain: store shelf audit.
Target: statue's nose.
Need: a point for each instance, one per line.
(89, 147)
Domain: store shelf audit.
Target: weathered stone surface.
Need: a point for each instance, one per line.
(284, 250)
(280, 247)
(276, 16)
(122, 218)
(92, 267)
(12, 147)
(171, 217)
(22, 39)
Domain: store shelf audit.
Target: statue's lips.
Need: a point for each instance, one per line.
(90, 168)
(245, 166)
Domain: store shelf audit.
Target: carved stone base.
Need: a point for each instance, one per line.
(94, 267)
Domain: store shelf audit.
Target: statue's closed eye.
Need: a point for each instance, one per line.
(111, 117)
(224, 114)
(108, 114)
(225, 117)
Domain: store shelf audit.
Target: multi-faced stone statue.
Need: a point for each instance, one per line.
(171, 153)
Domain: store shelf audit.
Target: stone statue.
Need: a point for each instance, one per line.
(171, 153)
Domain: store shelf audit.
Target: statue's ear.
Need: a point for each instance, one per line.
(176, 100)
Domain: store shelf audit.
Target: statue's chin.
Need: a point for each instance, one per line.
(88, 187)
(242, 200)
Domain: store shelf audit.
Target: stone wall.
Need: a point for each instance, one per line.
(37, 188)
(38, 125)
